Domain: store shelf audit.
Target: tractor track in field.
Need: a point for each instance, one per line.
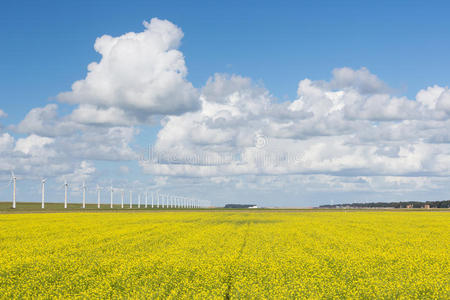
(230, 278)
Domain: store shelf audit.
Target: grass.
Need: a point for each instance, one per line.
(226, 254)
(35, 207)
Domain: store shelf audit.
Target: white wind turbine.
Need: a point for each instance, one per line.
(111, 197)
(146, 199)
(122, 196)
(98, 196)
(84, 194)
(139, 200)
(131, 199)
(13, 178)
(43, 192)
(66, 186)
(152, 198)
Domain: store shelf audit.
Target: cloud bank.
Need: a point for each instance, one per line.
(348, 126)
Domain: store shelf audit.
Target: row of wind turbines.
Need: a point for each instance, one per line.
(156, 199)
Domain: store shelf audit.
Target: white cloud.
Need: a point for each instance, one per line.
(6, 142)
(78, 135)
(140, 75)
(33, 144)
(57, 145)
(349, 126)
(45, 121)
(3, 114)
(103, 143)
(92, 115)
(80, 174)
(361, 80)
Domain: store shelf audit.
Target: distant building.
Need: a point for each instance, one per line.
(409, 206)
(241, 206)
(426, 206)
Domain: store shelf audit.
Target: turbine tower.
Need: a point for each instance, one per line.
(43, 192)
(131, 199)
(112, 196)
(146, 199)
(84, 194)
(66, 185)
(122, 196)
(98, 196)
(14, 178)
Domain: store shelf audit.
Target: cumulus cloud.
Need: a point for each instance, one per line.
(139, 75)
(92, 115)
(33, 144)
(348, 126)
(80, 174)
(56, 145)
(361, 80)
(3, 114)
(45, 121)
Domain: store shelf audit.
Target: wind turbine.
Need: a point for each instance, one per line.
(146, 198)
(122, 196)
(139, 200)
(157, 198)
(84, 194)
(131, 199)
(152, 198)
(112, 196)
(66, 185)
(98, 196)
(14, 178)
(43, 192)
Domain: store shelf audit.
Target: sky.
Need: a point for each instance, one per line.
(287, 103)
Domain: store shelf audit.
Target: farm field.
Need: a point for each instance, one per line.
(231, 255)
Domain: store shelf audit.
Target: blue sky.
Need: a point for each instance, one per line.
(47, 45)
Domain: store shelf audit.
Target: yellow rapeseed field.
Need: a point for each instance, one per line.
(217, 254)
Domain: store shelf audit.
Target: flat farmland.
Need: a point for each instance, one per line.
(226, 254)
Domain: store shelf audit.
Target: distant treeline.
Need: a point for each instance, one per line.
(239, 205)
(415, 204)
